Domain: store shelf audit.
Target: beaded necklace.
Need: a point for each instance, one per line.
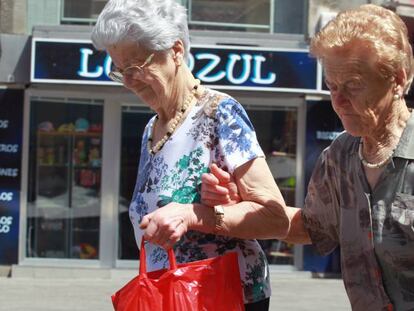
(372, 165)
(174, 123)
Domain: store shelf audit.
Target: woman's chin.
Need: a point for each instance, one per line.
(352, 126)
(353, 130)
(140, 91)
(147, 96)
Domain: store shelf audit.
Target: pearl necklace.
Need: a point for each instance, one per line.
(372, 165)
(174, 123)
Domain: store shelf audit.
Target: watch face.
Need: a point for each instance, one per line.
(219, 215)
(219, 210)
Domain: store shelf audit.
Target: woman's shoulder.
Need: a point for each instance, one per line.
(344, 141)
(214, 101)
(342, 146)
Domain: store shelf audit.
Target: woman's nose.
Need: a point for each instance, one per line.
(339, 99)
(128, 80)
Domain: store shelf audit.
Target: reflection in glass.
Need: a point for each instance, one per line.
(245, 15)
(85, 9)
(64, 180)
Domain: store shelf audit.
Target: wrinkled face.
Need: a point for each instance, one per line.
(154, 82)
(360, 96)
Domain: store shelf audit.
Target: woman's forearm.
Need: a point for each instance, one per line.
(245, 220)
(249, 220)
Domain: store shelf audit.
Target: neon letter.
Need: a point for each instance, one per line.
(83, 72)
(202, 74)
(246, 68)
(258, 60)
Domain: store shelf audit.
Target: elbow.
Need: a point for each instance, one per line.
(285, 224)
(275, 215)
(280, 220)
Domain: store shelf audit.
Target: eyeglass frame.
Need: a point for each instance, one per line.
(114, 74)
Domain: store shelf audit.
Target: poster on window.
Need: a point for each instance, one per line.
(11, 127)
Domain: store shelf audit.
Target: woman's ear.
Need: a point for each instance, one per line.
(178, 52)
(401, 79)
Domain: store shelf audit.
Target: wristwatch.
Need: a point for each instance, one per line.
(219, 214)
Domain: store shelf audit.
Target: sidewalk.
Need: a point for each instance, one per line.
(54, 291)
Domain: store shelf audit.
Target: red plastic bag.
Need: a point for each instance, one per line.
(207, 285)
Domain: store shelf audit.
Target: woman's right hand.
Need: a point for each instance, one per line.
(218, 188)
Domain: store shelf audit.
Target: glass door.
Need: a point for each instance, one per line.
(64, 182)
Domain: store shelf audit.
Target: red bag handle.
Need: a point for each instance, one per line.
(143, 261)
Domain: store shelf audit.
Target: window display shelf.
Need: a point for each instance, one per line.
(77, 134)
(92, 167)
(76, 167)
(53, 165)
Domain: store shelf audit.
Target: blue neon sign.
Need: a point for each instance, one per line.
(227, 67)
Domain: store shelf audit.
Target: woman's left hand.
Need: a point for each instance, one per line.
(166, 225)
(218, 188)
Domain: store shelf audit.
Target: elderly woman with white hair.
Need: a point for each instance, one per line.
(194, 126)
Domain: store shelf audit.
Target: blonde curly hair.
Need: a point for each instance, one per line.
(375, 27)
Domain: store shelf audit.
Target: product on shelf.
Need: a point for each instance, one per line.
(95, 128)
(66, 128)
(46, 126)
(81, 125)
(50, 155)
(87, 251)
(89, 178)
(79, 153)
(41, 155)
(94, 157)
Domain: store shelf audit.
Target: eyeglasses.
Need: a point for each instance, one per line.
(118, 75)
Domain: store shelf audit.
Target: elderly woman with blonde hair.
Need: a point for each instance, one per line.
(361, 194)
(148, 41)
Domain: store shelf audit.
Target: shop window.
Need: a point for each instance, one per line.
(290, 16)
(242, 15)
(64, 188)
(276, 130)
(268, 16)
(81, 12)
(134, 120)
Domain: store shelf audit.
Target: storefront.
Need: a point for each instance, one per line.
(14, 74)
(82, 137)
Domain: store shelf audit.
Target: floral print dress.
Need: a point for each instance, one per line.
(217, 129)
